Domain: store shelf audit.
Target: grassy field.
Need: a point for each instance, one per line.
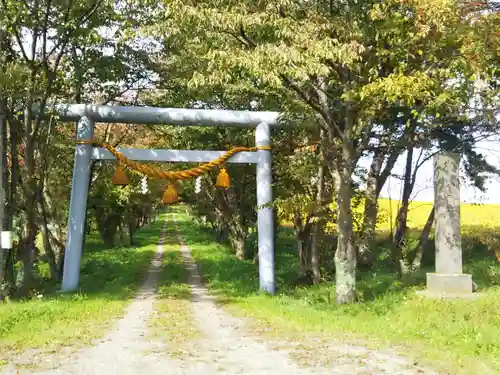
(109, 278)
(456, 337)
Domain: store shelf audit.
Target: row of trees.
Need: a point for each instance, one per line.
(353, 80)
(367, 79)
(53, 51)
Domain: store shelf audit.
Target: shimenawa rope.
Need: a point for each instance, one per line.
(152, 171)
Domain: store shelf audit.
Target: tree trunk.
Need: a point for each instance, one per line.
(237, 234)
(108, 227)
(402, 218)
(315, 257)
(371, 208)
(301, 246)
(11, 207)
(232, 221)
(5, 169)
(47, 245)
(28, 248)
(51, 258)
(131, 230)
(345, 256)
(57, 236)
(14, 177)
(122, 234)
(238, 244)
(302, 261)
(376, 180)
(237, 237)
(422, 242)
(3, 184)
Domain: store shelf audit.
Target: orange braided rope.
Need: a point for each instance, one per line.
(187, 174)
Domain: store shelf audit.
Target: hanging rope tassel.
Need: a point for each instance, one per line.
(223, 179)
(152, 171)
(171, 195)
(120, 177)
(197, 185)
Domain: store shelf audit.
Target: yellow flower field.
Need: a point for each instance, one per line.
(473, 215)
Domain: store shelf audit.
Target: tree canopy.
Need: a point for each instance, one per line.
(369, 79)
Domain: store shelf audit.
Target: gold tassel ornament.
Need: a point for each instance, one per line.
(171, 195)
(120, 176)
(223, 179)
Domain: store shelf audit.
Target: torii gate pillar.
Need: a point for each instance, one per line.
(77, 206)
(265, 219)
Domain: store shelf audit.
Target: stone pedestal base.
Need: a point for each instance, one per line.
(449, 283)
(441, 285)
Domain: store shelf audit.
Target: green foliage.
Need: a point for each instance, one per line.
(117, 207)
(12, 78)
(52, 52)
(381, 53)
(373, 76)
(296, 163)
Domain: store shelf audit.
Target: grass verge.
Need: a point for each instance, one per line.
(172, 322)
(109, 278)
(455, 337)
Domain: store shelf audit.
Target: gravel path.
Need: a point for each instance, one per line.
(227, 349)
(224, 349)
(124, 351)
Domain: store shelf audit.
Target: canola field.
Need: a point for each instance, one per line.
(472, 215)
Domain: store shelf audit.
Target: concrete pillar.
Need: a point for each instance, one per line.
(448, 237)
(265, 218)
(448, 278)
(77, 206)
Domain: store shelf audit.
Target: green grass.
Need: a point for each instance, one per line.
(456, 337)
(173, 321)
(108, 280)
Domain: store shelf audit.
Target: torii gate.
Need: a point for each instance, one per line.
(87, 115)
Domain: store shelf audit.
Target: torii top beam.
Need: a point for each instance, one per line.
(165, 116)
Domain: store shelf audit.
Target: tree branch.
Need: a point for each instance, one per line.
(389, 165)
(45, 29)
(20, 44)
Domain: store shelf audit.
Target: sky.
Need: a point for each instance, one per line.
(424, 190)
